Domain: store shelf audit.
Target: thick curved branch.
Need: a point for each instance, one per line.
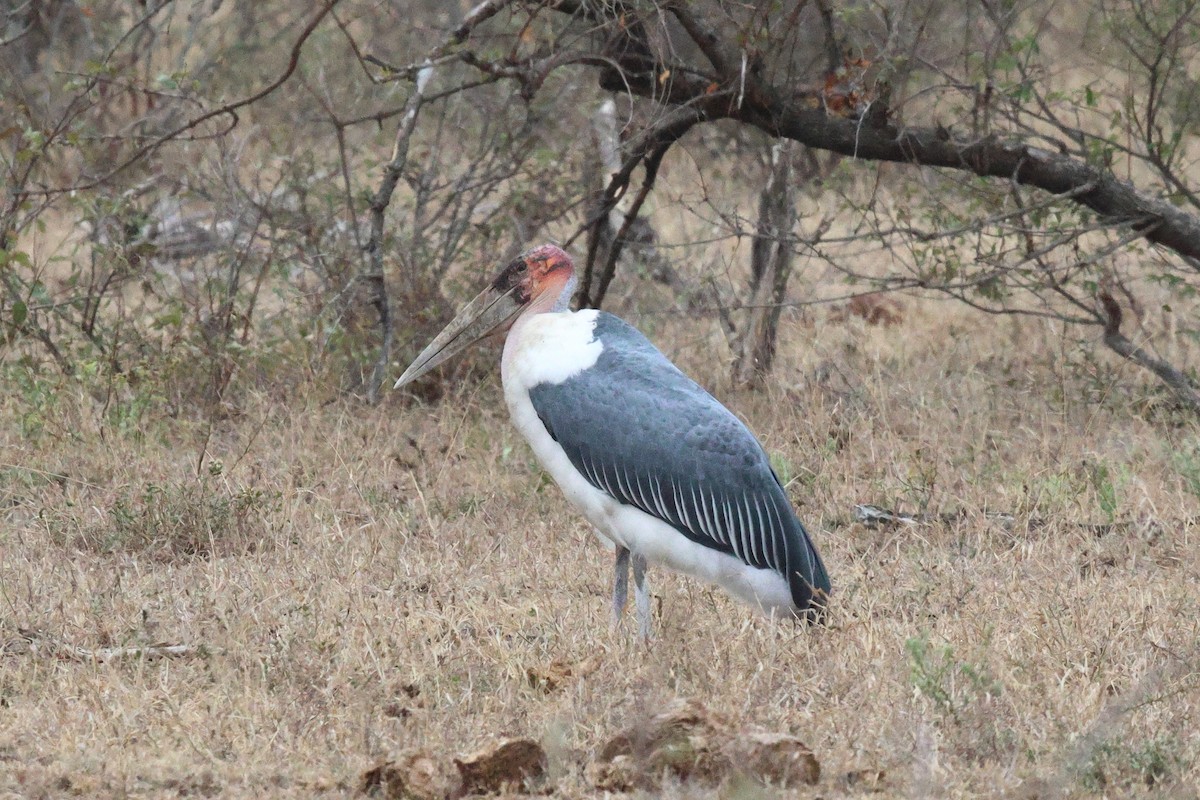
(1056, 173)
(1105, 194)
(705, 38)
(802, 117)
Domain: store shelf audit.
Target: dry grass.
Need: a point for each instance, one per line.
(370, 581)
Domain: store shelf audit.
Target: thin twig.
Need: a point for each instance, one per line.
(228, 109)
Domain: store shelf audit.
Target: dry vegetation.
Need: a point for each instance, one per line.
(222, 573)
(365, 582)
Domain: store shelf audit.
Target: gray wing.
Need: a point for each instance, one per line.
(642, 431)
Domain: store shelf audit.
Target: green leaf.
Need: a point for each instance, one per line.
(20, 313)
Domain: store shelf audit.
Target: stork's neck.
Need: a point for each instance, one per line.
(554, 298)
(554, 293)
(561, 300)
(549, 348)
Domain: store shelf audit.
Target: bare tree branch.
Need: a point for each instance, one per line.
(1184, 388)
(228, 109)
(784, 114)
(391, 176)
(647, 150)
(379, 203)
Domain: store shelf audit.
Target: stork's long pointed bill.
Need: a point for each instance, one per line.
(491, 309)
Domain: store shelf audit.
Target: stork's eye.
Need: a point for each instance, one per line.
(511, 275)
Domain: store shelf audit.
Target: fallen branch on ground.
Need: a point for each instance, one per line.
(38, 641)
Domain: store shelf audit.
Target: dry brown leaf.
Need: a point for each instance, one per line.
(775, 758)
(688, 743)
(877, 308)
(682, 741)
(511, 764)
(619, 775)
(865, 780)
(682, 717)
(555, 675)
(413, 776)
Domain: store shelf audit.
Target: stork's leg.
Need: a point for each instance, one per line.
(641, 597)
(620, 584)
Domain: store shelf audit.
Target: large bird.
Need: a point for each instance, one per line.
(659, 467)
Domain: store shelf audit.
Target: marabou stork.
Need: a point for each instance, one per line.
(654, 462)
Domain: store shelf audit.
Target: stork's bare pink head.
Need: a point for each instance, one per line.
(540, 279)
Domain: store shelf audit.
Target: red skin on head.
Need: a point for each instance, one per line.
(549, 269)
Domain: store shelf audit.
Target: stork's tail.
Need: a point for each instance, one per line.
(809, 580)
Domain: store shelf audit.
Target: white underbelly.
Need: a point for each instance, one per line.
(660, 543)
(642, 533)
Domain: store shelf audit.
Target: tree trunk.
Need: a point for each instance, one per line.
(770, 267)
(603, 232)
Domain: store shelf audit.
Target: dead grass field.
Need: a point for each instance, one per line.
(366, 582)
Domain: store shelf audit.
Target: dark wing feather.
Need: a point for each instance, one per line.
(642, 431)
